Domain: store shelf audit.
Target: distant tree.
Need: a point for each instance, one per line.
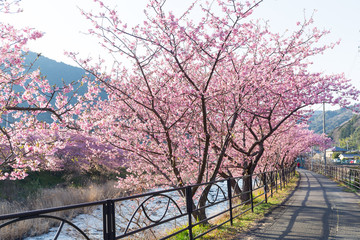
(85, 154)
(335, 155)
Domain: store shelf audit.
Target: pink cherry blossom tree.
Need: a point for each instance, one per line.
(24, 94)
(286, 145)
(202, 97)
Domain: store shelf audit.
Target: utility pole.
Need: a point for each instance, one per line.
(312, 157)
(324, 134)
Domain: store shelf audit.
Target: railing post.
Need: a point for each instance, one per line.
(335, 172)
(271, 183)
(109, 220)
(265, 187)
(189, 209)
(251, 194)
(280, 179)
(349, 177)
(341, 174)
(294, 171)
(332, 171)
(276, 180)
(344, 175)
(228, 181)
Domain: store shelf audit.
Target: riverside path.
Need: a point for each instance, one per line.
(317, 209)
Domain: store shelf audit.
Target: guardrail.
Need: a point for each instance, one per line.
(147, 215)
(347, 175)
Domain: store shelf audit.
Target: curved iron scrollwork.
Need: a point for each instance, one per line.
(257, 182)
(238, 186)
(219, 192)
(216, 197)
(60, 228)
(142, 206)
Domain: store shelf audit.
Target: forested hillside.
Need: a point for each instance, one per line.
(333, 119)
(348, 134)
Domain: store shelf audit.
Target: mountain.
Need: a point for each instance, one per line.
(54, 71)
(333, 119)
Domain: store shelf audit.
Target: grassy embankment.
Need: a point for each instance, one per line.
(245, 221)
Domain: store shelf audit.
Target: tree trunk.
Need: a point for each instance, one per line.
(247, 175)
(246, 189)
(265, 181)
(272, 179)
(200, 215)
(283, 177)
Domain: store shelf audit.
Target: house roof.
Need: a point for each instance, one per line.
(336, 149)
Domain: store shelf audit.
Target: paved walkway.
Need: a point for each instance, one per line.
(318, 209)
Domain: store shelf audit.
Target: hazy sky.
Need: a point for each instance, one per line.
(64, 26)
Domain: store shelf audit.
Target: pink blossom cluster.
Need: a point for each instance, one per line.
(80, 153)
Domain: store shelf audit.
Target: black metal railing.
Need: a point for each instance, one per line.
(347, 175)
(147, 215)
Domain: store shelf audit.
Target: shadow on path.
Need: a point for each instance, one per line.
(298, 209)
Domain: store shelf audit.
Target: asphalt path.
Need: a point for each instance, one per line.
(317, 209)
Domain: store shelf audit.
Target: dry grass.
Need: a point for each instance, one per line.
(55, 197)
